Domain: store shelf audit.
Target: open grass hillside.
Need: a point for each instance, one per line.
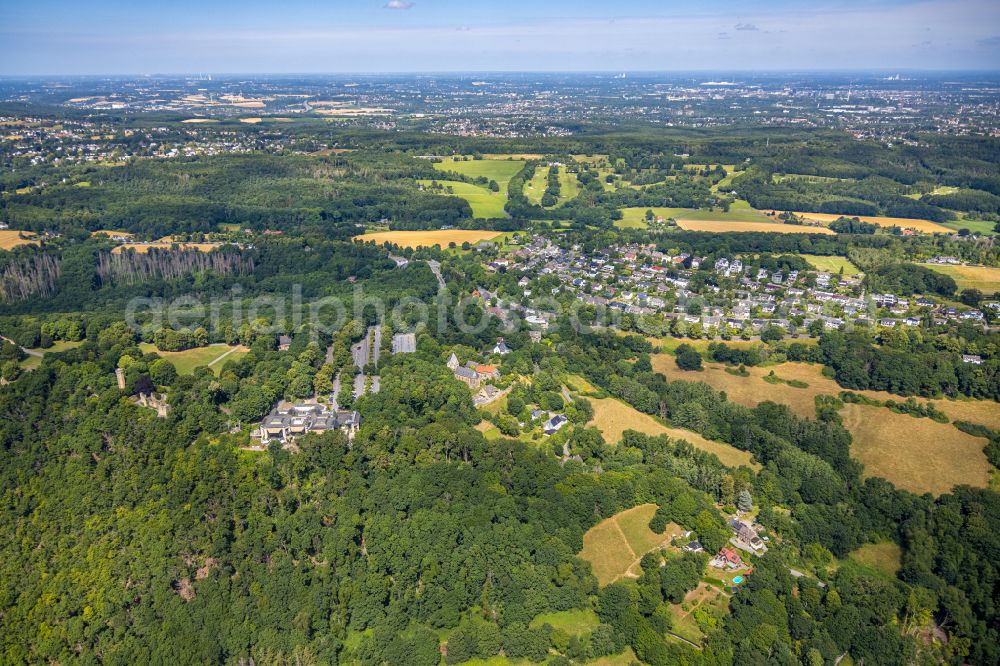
(212, 356)
(11, 238)
(613, 417)
(753, 390)
(615, 546)
(919, 455)
(485, 203)
(569, 186)
(499, 170)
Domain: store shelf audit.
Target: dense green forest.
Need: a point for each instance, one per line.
(132, 538)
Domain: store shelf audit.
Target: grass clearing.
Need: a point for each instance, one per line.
(186, 361)
(499, 170)
(485, 203)
(615, 545)
(984, 278)
(932, 457)
(11, 238)
(569, 186)
(441, 237)
(883, 557)
(983, 227)
(923, 226)
(831, 264)
(613, 417)
(574, 622)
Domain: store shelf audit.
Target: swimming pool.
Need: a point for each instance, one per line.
(737, 580)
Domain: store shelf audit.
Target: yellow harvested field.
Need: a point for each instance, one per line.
(916, 454)
(441, 237)
(925, 226)
(11, 238)
(111, 232)
(751, 391)
(143, 248)
(719, 226)
(613, 417)
(200, 120)
(984, 278)
(615, 546)
(251, 121)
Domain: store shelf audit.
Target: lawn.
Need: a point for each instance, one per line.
(883, 557)
(613, 417)
(440, 237)
(615, 545)
(485, 203)
(984, 278)
(186, 361)
(831, 264)
(31, 362)
(930, 457)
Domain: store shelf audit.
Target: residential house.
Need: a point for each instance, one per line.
(555, 424)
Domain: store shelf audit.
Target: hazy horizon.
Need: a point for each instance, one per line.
(113, 37)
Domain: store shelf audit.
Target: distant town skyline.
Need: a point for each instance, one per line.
(306, 36)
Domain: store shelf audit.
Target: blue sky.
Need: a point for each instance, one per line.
(180, 36)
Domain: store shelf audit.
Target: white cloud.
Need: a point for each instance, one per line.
(746, 26)
(398, 4)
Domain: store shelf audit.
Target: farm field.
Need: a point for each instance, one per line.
(11, 238)
(752, 390)
(925, 226)
(831, 264)
(984, 278)
(736, 213)
(615, 545)
(440, 237)
(186, 361)
(932, 457)
(723, 225)
(485, 203)
(613, 417)
(143, 248)
(883, 557)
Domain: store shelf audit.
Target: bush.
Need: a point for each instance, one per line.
(688, 358)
